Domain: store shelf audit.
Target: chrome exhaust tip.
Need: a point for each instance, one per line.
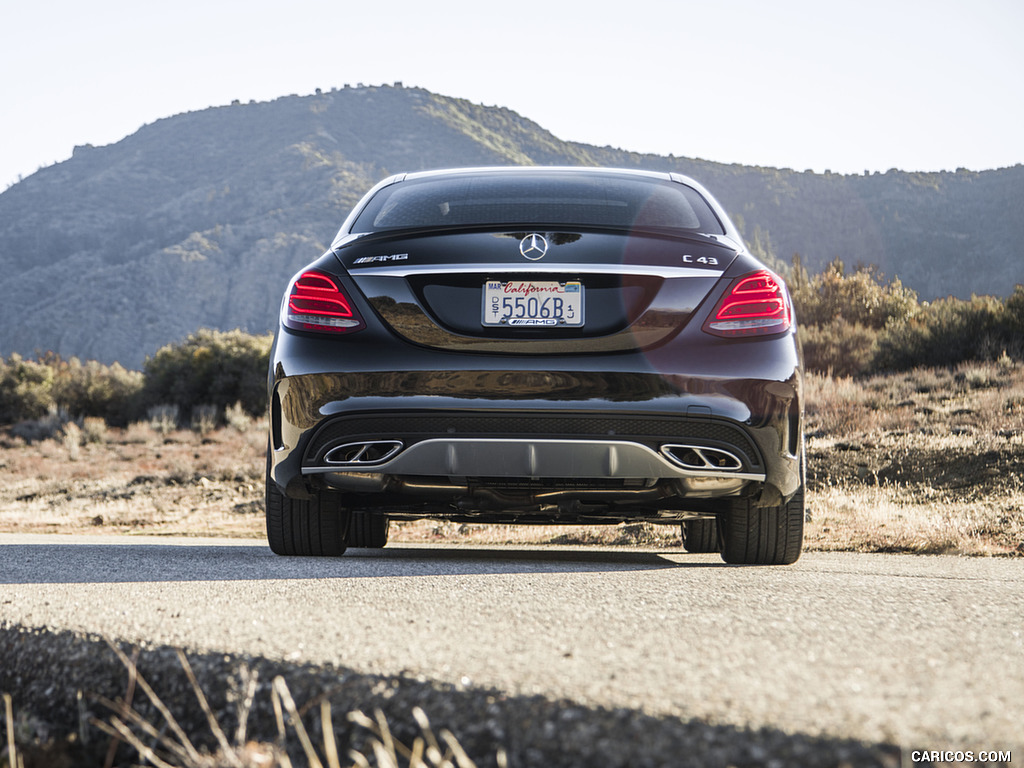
(702, 458)
(365, 453)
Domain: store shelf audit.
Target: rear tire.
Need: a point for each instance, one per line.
(765, 535)
(700, 535)
(368, 530)
(306, 527)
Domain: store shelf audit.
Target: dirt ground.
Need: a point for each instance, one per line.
(891, 491)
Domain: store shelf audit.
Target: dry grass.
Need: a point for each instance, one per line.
(928, 461)
(888, 519)
(976, 399)
(160, 740)
(626, 535)
(136, 480)
(923, 461)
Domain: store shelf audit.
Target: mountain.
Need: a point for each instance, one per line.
(199, 219)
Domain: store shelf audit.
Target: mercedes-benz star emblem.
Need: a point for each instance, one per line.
(533, 246)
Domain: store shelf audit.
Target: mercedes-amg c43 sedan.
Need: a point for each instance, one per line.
(537, 345)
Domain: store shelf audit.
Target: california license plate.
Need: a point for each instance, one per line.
(533, 303)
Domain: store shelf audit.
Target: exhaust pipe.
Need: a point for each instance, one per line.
(364, 453)
(699, 457)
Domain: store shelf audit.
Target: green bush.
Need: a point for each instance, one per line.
(861, 298)
(841, 315)
(947, 332)
(839, 348)
(1015, 322)
(30, 389)
(109, 392)
(210, 368)
(855, 323)
(26, 389)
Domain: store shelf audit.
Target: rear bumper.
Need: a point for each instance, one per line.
(544, 458)
(703, 433)
(544, 462)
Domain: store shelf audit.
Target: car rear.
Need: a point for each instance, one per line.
(539, 345)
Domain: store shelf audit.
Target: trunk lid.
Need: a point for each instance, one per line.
(535, 292)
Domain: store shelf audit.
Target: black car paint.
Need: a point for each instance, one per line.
(755, 383)
(421, 354)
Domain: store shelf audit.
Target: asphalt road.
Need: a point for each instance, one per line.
(924, 652)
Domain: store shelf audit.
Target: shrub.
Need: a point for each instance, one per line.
(854, 324)
(840, 348)
(841, 315)
(26, 389)
(72, 435)
(94, 430)
(163, 418)
(109, 392)
(137, 433)
(1015, 322)
(237, 417)
(210, 368)
(861, 298)
(947, 332)
(204, 419)
(29, 388)
(47, 426)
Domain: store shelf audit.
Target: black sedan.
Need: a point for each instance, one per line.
(537, 345)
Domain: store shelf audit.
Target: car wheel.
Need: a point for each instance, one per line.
(700, 535)
(368, 529)
(316, 526)
(765, 535)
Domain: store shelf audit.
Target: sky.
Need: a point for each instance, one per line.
(842, 85)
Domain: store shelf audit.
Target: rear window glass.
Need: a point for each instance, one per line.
(556, 200)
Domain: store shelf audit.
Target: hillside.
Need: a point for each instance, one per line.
(199, 219)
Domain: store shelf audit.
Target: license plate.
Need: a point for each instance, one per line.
(532, 303)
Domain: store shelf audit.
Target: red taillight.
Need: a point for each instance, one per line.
(317, 303)
(755, 305)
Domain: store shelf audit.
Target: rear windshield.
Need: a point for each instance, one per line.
(555, 200)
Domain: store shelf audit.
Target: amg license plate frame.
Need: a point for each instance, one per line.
(532, 304)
